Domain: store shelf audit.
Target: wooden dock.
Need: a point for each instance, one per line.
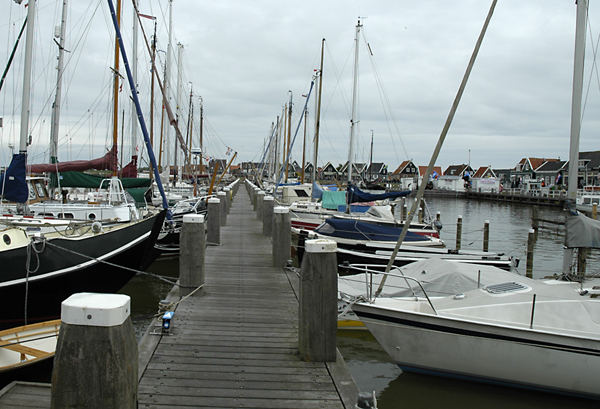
(236, 344)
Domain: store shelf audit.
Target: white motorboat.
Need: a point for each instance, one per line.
(523, 332)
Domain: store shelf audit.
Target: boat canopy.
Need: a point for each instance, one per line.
(357, 195)
(108, 161)
(582, 231)
(333, 200)
(361, 230)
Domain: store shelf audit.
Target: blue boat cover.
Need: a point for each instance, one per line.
(13, 185)
(317, 191)
(357, 195)
(362, 230)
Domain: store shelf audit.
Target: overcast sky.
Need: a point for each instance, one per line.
(244, 57)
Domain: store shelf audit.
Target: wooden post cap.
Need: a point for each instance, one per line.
(320, 246)
(226, 189)
(193, 218)
(214, 200)
(221, 194)
(268, 198)
(95, 309)
(281, 209)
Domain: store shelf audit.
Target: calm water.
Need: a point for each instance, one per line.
(370, 365)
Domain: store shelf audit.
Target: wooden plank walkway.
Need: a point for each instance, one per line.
(236, 344)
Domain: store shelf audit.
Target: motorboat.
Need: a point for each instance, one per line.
(543, 335)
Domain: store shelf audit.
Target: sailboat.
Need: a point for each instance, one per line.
(42, 267)
(541, 335)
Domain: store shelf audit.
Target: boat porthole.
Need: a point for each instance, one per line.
(92, 216)
(6, 239)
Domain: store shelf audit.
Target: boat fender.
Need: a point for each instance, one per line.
(96, 227)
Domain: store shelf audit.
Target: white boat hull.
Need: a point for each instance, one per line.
(443, 346)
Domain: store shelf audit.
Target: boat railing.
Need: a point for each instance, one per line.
(368, 270)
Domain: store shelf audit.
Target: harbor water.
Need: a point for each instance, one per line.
(370, 366)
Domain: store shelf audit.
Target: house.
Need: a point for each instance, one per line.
(484, 172)
(376, 172)
(236, 170)
(549, 172)
(589, 168)
(435, 172)
(503, 175)
(308, 168)
(358, 172)
(222, 165)
(526, 169)
(459, 170)
(329, 173)
(406, 169)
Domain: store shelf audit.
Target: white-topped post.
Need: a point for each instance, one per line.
(223, 212)
(282, 240)
(260, 196)
(192, 245)
(317, 323)
(96, 361)
(268, 202)
(255, 197)
(228, 198)
(213, 224)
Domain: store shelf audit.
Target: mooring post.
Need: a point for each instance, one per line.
(268, 202)
(317, 322)
(192, 245)
(404, 211)
(421, 215)
(486, 235)
(213, 224)
(223, 210)
(96, 360)
(281, 236)
(259, 204)
(582, 253)
(438, 216)
(458, 231)
(595, 211)
(530, 242)
(228, 198)
(255, 198)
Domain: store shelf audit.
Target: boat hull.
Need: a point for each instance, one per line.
(529, 359)
(62, 269)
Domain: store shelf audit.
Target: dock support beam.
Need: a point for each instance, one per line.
(458, 231)
(282, 240)
(268, 203)
(214, 221)
(259, 204)
(223, 211)
(96, 361)
(192, 245)
(317, 323)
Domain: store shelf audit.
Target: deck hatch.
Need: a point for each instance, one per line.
(503, 288)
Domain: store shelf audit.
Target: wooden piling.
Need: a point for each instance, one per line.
(223, 208)
(582, 261)
(96, 361)
(317, 322)
(213, 222)
(268, 202)
(192, 245)
(259, 204)
(530, 243)
(595, 211)
(438, 216)
(282, 241)
(421, 214)
(486, 235)
(458, 231)
(404, 211)
(228, 196)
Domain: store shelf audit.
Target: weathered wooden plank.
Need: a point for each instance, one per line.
(249, 376)
(162, 401)
(195, 367)
(238, 383)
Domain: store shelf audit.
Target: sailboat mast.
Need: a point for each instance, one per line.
(201, 135)
(304, 146)
(25, 101)
(152, 94)
(54, 127)
(276, 161)
(371, 159)
(116, 93)
(318, 115)
(134, 63)
(178, 107)
(188, 138)
(579, 57)
(167, 85)
(353, 121)
(289, 136)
